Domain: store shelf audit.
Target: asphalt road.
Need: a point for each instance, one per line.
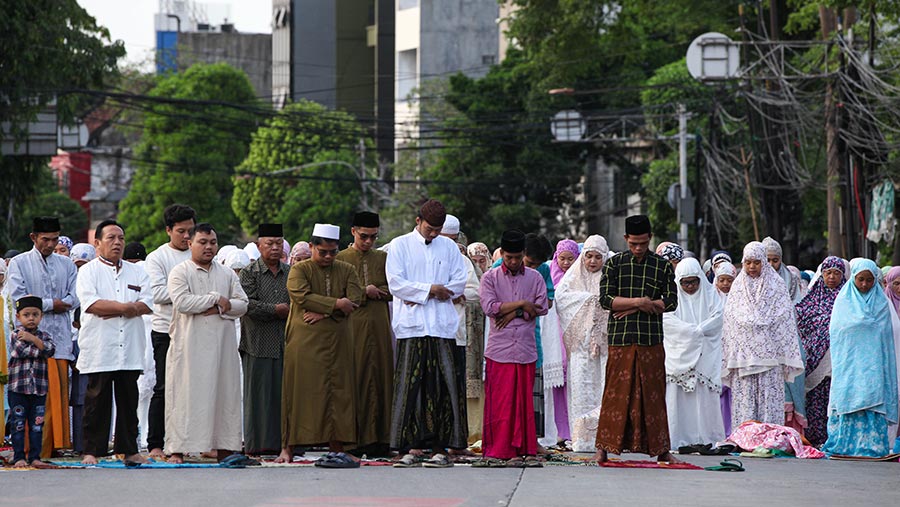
(766, 482)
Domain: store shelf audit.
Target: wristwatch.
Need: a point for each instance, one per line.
(520, 312)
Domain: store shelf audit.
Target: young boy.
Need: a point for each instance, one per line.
(29, 350)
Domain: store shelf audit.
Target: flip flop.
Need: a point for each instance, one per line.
(515, 463)
(337, 460)
(728, 465)
(716, 451)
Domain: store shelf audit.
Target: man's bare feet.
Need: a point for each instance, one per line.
(213, 454)
(40, 464)
(21, 464)
(176, 459)
(137, 458)
(89, 459)
(286, 456)
(416, 452)
(158, 454)
(668, 458)
(601, 456)
(542, 451)
(461, 452)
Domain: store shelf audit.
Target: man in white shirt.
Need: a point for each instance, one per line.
(425, 272)
(114, 295)
(51, 277)
(179, 221)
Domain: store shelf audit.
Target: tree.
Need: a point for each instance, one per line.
(50, 49)
(197, 129)
(302, 133)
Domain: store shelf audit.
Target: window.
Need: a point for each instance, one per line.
(407, 72)
(408, 4)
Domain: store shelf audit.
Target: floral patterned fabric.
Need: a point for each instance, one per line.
(760, 329)
(751, 435)
(813, 318)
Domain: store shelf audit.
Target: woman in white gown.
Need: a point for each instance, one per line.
(693, 343)
(584, 324)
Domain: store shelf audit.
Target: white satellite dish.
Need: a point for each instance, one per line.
(713, 57)
(568, 126)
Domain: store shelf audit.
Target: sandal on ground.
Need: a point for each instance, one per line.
(693, 449)
(408, 461)
(515, 463)
(238, 461)
(438, 461)
(337, 460)
(489, 463)
(533, 462)
(728, 465)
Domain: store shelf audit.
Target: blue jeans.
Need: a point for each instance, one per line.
(26, 410)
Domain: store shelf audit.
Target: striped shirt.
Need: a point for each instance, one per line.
(623, 276)
(28, 364)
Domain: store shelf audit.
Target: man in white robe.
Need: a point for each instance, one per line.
(203, 389)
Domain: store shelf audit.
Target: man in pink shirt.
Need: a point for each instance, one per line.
(512, 297)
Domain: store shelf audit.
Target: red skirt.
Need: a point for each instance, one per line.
(509, 410)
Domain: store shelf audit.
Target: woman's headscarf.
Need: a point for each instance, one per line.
(223, 252)
(236, 259)
(565, 245)
(864, 364)
(892, 275)
(579, 314)
(793, 285)
(82, 252)
(286, 250)
(814, 317)
(760, 329)
(2, 272)
(301, 249)
(693, 333)
(476, 249)
(67, 242)
(670, 251)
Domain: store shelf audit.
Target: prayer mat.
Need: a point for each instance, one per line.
(614, 463)
(841, 457)
(311, 462)
(121, 464)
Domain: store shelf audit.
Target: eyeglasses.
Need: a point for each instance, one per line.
(367, 237)
(690, 283)
(327, 253)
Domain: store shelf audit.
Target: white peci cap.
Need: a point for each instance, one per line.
(451, 225)
(327, 231)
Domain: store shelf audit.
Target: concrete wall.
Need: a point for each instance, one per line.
(315, 50)
(457, 35)
(250, 52)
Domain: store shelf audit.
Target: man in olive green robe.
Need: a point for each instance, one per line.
(373, 352)
(318, 391)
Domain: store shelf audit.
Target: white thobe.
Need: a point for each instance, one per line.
(47, 278)
(203, 390)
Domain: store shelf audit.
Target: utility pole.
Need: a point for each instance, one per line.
(363, 184)
(682, 174)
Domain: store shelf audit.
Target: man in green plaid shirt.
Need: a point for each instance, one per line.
(638, 286)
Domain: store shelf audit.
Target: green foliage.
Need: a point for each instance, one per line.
(43, 200)
(50, 46)
(302, 133)
(190, 145)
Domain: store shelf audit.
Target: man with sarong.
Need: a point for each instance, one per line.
(51, 277)
(638, 286)
(262, 341)
(512, 296)
(425, 273)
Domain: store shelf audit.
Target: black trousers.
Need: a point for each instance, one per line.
(98, 402)
(156, 420)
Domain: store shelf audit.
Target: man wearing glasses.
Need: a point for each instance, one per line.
(372, 348)
(318, 399)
